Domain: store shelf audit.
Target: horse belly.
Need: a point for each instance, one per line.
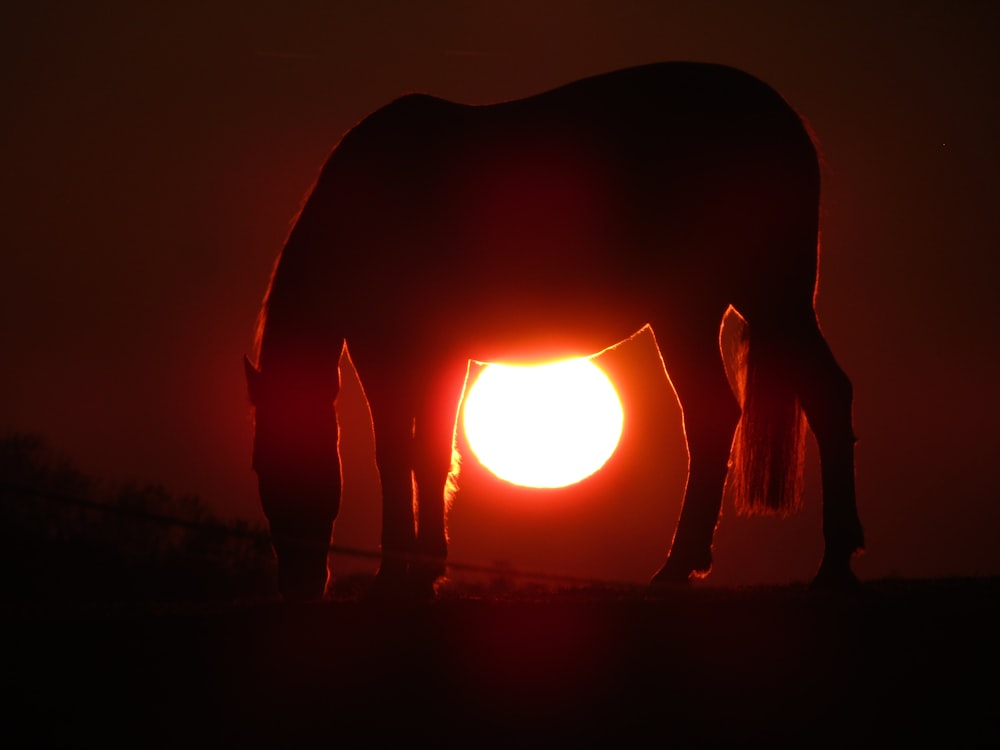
(543, 270)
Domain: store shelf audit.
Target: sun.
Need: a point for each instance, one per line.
(548, 425)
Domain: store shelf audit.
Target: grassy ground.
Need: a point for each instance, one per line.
(903, 661)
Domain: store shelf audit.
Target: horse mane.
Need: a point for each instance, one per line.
(265, 307)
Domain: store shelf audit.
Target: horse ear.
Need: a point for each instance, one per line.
(253, 379)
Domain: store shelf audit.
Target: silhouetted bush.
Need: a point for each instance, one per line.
(69, 536)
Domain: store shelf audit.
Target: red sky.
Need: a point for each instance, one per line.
(153, 157)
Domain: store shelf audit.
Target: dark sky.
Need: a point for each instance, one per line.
(153, 156)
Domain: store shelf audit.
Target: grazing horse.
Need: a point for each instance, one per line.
(661, 196)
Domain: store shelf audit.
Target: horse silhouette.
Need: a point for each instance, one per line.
(661, 196)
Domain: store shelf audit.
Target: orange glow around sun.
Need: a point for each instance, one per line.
(545, 426)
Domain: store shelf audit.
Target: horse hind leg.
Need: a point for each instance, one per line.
(711, 413)
(826, 395)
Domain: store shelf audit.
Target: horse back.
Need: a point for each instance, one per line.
(583, 207)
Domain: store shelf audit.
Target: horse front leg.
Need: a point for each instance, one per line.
(393, 426)
(435, 469)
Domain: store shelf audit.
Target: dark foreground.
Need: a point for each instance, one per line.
(904, 661)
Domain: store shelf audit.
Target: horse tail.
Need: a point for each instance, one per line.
(768, 453)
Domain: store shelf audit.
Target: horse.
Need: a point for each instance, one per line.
(664, 196)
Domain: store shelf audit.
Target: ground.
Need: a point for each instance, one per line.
(902, 661)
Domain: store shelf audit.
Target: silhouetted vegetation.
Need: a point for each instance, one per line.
(68, 536)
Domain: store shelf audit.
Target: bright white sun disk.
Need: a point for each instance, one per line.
(545, 425)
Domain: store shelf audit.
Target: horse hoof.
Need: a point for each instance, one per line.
(389, 584)
(418, 586)
(302, 589)
(836, 581)
(674, 574)
(423, 575)
(422, 588)
(666, 587)
(668, 579)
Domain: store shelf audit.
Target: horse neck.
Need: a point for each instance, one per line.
(294, 332)
(296, 352)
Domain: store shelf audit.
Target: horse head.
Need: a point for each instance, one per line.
(298, 475)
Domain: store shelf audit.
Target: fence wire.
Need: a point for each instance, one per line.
(11, 491)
